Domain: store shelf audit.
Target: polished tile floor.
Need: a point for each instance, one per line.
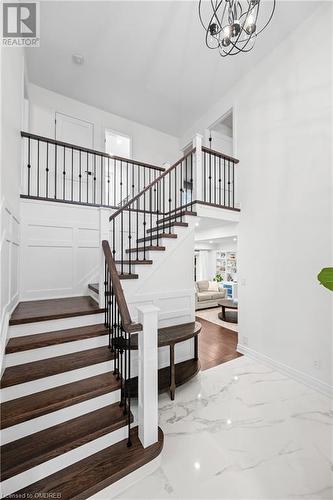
(242, 431)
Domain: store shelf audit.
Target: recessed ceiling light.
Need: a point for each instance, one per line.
(78, 59)
(197, 465)
(235, 239)
(211, 242)
(229, 421)
(197, 224)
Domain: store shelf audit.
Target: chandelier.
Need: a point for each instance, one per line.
(233, 26)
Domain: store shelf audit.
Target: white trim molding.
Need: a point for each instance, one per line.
(297, 375)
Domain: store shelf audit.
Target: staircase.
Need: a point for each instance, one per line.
(66, 419)
(62, 427)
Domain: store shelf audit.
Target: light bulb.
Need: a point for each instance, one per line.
(226, 36)
(250, 25)
(235, 28)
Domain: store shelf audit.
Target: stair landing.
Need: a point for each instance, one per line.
(43, 310)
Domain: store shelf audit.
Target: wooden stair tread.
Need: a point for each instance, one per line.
(176, 215)
(173, 224)
(128, 276)
(30, 451)
(27, 342)
(148, 248)
(92, 474)
(41, 403)
(157, 236)
(27, 372)
(134, 262)
(43, 310)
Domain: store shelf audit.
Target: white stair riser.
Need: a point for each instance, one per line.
(55, 464)
(55, 325)
(19, 358)
(57, 417)
(42, 384)
(93, 295)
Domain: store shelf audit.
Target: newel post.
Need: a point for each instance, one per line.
(197, 171)
(148, 375)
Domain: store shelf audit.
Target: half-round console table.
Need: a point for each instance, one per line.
(175, 374)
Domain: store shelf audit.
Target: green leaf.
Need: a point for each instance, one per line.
(326, 277)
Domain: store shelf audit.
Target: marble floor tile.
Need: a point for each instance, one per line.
(243, 431)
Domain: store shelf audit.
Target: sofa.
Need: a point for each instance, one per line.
(207, 294)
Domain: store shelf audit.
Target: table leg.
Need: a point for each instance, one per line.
(196, 350)
(172, 372)
(223, 313)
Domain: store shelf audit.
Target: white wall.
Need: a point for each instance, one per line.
(148, 145)
(12, 89)
(283, 113)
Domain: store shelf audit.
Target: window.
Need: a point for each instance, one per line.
(118, 144)
(116, 174)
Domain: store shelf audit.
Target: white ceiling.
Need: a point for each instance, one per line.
(144, 60)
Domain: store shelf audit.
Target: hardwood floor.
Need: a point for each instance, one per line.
(217, 344)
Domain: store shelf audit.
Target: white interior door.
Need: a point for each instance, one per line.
(75, 131)
(79, 164)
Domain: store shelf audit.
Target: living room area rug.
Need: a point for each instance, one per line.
(212, 316)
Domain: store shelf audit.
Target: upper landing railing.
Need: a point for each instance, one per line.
(59, 171)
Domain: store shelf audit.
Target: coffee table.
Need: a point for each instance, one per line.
(229, 316)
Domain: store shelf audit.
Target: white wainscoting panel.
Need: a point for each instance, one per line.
(60, 249)
(9, 269)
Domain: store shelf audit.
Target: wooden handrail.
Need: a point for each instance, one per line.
(219, 154)
(87, 150)
(166, 172)
(126, 320)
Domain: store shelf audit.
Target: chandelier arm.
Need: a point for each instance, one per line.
(270, 18)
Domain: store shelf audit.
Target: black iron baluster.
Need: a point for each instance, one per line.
(137, 227)
(102, 175)
(133, 185)
(121, 182)
(228, 183)
(29, 165)
(47, 170)
(150, 216)
(87, 165)
(129, 240)
(115, 183)
(37, 168)
(72, 179)
(224, 195)
(219, 180)
(144, 225)
(191, 179)
(64, 176)
(55, 171)
(94, 180)
(127, 180)
(215, 177)
(129, 442)
(105, 295)
(122, 241)
(204, 176)
(80, 176)
(108, 181)
(233, 184)
(210, 178)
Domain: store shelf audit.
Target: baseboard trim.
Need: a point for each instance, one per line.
(297, 375)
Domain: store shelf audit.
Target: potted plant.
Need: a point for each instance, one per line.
(218, 278)
(325, 277)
